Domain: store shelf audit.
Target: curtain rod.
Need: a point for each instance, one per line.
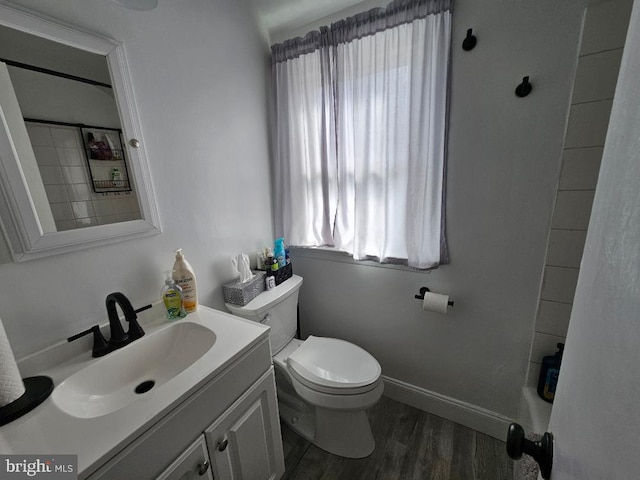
(26, 66)
(68, 124)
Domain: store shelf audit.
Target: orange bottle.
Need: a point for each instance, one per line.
(186, 279)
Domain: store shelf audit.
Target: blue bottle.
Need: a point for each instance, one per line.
(279, 252)
(548, 379)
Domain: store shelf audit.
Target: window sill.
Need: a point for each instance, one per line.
(331, 254)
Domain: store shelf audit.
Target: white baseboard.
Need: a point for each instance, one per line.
(480, 419)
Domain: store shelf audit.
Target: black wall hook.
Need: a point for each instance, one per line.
(524, 88)
(470, 41)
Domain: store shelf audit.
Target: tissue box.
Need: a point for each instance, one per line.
(242, 293)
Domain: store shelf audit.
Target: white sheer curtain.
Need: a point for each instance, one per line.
(360, 154)
(305, 177)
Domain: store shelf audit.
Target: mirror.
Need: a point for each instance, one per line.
(74, 129)
(73, 170)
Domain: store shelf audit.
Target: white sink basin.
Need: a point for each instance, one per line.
(126, 375)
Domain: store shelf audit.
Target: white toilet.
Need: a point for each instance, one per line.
(324, 384)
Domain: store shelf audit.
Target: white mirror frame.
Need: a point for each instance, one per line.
(21, 224)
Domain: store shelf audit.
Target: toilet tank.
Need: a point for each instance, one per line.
(277, 308)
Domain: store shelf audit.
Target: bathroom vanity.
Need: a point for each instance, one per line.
(213, 416)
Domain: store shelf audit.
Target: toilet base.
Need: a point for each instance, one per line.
(343, 433)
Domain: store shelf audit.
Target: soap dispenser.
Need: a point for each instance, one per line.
(172, 298)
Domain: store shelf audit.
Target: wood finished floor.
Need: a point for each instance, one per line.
(410, 445)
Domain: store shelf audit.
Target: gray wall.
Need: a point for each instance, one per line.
(198, 75)
(504, 164)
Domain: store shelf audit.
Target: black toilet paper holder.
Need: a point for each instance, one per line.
(424, 290)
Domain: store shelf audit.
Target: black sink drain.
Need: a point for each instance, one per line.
(144, 387)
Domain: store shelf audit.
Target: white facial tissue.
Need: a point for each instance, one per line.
(242, 266)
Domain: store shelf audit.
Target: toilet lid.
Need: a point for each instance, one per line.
(334, 363)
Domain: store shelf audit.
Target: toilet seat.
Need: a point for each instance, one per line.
(334, 366)
(346, 399)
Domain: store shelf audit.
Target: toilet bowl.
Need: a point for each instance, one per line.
(324, 385)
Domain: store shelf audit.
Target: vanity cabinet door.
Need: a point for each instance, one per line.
(245, 442)
(192, 464)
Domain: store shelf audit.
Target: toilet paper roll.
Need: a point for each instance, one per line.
(11, 384)
(435, 302)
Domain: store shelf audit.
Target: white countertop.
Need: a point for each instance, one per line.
(47, 430)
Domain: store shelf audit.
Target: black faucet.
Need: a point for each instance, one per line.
(118, 336)
(100, 345)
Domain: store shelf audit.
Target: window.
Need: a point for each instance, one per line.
(361, 134)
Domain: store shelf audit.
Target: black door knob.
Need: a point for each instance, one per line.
(541, 451)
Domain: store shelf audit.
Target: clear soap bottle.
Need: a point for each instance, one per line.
(172, 298)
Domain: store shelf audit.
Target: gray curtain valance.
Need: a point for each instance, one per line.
(290, 49)
(367, 23)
